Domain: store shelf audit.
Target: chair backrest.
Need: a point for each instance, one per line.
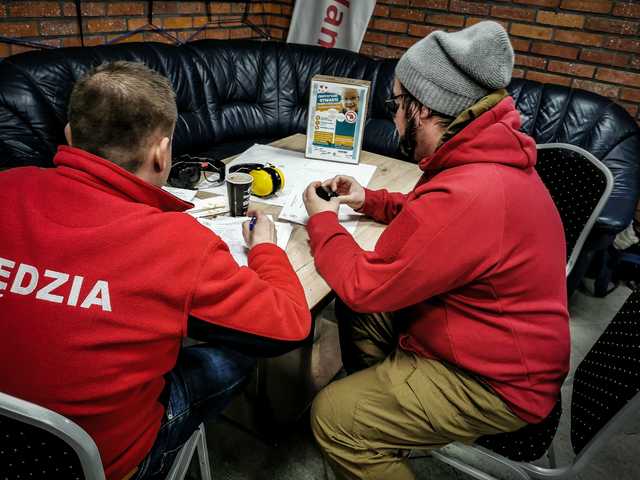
(579, 185)
(554, 113)
(606, 385)
(39, 443)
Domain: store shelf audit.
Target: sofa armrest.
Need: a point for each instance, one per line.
(624, 162)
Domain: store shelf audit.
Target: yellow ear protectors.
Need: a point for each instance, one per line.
(267, 179)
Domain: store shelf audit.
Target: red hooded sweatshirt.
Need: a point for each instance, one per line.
(99, 271)
(474, 257)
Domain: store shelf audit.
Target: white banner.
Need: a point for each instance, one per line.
(330, 23)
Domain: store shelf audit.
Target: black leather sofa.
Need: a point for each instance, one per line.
(232, 94)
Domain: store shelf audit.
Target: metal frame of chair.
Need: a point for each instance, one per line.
(84, 446)
(197, 442)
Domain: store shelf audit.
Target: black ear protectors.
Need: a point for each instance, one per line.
(267, 179)
(187, 171)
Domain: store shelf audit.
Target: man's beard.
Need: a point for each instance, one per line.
(408, 141)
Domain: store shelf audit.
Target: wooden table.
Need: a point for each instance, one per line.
(392, 174)
(284, 386)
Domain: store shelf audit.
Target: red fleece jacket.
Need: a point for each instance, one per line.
(99, 271)
(474, 257)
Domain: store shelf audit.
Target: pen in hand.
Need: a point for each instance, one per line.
(252, 223)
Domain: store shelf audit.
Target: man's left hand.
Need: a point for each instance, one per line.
(314, 204)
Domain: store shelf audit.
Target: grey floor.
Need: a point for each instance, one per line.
(237, 455)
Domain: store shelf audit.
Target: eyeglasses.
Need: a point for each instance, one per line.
(392, 105)
(188, 171)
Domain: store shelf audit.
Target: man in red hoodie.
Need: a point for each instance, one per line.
(102, 275)
(470, 270)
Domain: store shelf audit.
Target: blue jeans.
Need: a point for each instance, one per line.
(198, 388)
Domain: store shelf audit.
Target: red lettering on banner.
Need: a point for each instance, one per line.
(332, 34)
(333, 16)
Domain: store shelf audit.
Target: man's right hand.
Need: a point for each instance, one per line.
(349, 191)
(264, 230)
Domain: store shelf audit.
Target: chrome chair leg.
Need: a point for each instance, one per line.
(203, 454)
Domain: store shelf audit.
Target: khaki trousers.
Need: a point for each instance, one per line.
(367, 423)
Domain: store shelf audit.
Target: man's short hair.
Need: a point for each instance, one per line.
(118, 108)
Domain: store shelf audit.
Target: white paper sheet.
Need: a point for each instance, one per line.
(298, 171)
(208, 206)
(295, 211)
(181, 193)
(283, 231)
(230, 230)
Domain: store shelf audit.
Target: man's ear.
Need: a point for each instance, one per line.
(162, 155)
(67, 134)
(424, 114)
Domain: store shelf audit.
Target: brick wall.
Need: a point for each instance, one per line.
(277, 16)
(589, 44)
(53, 22)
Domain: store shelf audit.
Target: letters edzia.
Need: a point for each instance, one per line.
(28, 278)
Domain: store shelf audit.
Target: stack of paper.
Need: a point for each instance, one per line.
(181, 193)
(299, 172)
(295, 211)
(209, 206)
(230, 230)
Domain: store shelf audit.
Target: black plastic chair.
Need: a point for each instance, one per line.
(36, 442)
(606, 396)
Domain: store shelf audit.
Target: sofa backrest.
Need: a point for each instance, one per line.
(553, 113)
(233, 93)
(226, 91)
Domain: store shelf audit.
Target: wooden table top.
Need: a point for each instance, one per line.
(392, 174)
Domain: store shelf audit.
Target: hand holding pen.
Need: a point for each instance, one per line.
(260, 229)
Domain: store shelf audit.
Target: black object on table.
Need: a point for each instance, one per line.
(325, 193)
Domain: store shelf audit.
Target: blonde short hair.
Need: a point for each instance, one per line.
(116, 109)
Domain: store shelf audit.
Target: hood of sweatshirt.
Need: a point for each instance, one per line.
(493, 137)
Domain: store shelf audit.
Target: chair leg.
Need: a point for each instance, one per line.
(551, 455)
(463, 467)
(203, 454)
(183, 458)
(454, 455)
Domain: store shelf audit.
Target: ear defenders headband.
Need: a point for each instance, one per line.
(267, 179)
(187, 171)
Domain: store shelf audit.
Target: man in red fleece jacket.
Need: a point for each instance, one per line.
(102, 275)
(471, 272)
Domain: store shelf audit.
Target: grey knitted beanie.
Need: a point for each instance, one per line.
(449, 72)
